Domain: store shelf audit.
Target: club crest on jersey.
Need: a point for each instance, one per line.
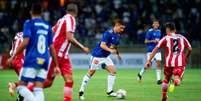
(40, 61)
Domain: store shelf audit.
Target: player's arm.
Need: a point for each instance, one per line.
(105, 47)
(153, 53)
(53, 54)
(71, 38)
(189, 48)
(118, 54)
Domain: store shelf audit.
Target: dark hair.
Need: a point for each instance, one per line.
(155, 20)
(118, 21)
(36, 8)
(170, 25)
(72, 7)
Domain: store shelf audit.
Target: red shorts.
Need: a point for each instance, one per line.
(17, 65)
(169, 71)
(64, 65)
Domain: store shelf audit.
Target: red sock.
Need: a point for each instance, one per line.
(68, 91)
(47, 84)
(164, 89)
(176, 82)
(30, 86)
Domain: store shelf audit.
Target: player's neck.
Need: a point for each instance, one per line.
(35, 16)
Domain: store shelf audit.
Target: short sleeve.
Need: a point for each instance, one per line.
(186, 43)
(105, 37)
(70, 24)
(27, 29)
(148, 35)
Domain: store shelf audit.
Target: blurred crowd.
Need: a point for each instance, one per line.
(95, 16)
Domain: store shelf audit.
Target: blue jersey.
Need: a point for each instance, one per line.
(152, 35)
(40, 38)
(111, 39)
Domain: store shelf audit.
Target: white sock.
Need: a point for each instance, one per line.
(142, 71)
(26, 93)
(38, 92)
(111, 79)
(85, 80)
(158, 74)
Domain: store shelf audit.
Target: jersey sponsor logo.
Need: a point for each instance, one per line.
(40, 61)
(41, 24)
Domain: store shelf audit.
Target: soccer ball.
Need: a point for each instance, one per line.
(121, 94)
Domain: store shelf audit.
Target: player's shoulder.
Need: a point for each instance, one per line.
(150, 29)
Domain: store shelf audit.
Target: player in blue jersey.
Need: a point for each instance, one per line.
(100, 57)
(37, 40)
(152, 37)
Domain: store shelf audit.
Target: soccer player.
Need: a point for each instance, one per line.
(100, 57)
(175, 57)
(152, 37)
(37, 40)
(64, 31)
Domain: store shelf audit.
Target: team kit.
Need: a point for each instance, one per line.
(40, 53)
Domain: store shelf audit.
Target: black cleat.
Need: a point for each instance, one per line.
(139, 77)
(20, 98)
(112, 94)
(159, 82)
(81, 95)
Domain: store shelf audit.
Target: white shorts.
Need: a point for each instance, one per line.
(32, 75)
(96, 62)
(157, 57)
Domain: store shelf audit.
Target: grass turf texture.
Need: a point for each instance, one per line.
(190, 89)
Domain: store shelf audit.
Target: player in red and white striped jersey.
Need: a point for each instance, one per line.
(175, 57)
(18, 61)
(64, 31)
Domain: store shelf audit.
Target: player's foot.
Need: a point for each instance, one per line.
(164, 98)
(11, 88)
(159, 82)
(112, 94)
(81, 95)
(20, 98)
(171, 88)
(139, 77)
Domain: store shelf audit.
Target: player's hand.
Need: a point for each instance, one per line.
(9, 61)
(113, 51)
(57, 71)
(119, 57)
(147, 65)
(86, 50)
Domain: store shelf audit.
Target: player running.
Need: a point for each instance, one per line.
(100, 57)
(37, 40)
(151, 39)
(64, 31)
(175, 57)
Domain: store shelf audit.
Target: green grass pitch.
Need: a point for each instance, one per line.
(190, 89)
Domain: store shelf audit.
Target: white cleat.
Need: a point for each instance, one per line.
(11, 88)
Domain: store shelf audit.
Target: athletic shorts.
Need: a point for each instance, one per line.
(96, 62)
(157, 57)
(17, 65)
(29, 74)
(64, 65)
(169, 71)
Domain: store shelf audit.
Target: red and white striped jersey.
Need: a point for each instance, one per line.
(174, 53)
(62, 45)
(16, 43)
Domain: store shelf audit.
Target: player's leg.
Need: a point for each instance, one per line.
(168, 71)
(111, 76)
(94, 63)
(178, 74)
(158, 67)
(111, 80)
(143, 69)
(38, 84)
(26, 75)
(66, 71)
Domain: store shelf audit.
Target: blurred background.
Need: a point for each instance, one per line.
(95, 16)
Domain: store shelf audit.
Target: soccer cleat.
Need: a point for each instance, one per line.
(112, 94)
(159, 82)
(20, 98)
(171, 88)
(139, 77)
(11, 88)
(81, 95)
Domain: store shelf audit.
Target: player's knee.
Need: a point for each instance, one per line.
(177, 82)
(113, 73)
